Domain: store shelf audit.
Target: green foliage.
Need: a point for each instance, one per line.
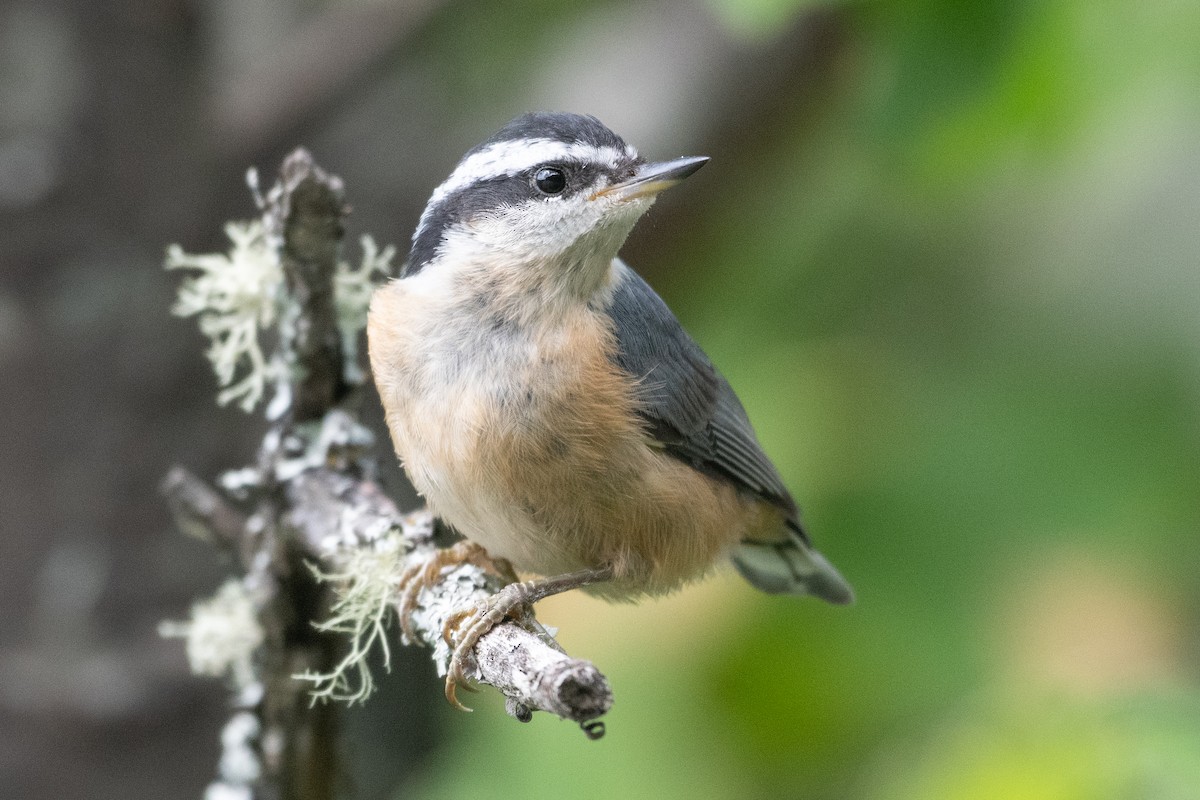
(760, 18)
(1139, 749)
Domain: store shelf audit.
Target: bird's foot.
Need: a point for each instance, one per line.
(514, 600)
(465, 628)
(424, 575)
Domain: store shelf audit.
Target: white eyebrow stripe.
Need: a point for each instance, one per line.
(513, 156)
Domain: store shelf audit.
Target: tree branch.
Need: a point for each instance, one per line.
(338, 515)
(303, 215)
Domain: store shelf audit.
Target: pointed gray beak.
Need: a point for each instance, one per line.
(650, 179)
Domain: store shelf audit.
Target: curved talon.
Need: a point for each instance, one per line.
(486, 615)
(452, 697)
(452, 624)
(409, 590)
(413, 581)
(515, 598)
(422, 576)
(455, 677)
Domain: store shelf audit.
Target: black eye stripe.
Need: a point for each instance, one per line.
(461, 205)
(501, 191)
(579, 175)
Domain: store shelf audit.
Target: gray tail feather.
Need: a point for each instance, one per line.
(792, 566)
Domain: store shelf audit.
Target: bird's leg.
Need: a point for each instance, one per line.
(515, 597)
(423, 575)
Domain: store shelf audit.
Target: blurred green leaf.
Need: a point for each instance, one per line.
(1138, 749)
(754, 19)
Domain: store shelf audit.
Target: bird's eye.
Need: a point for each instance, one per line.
(550, 180)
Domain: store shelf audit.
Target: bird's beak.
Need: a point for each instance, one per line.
(650, 179)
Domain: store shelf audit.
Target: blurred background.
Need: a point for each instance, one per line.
(948, 253)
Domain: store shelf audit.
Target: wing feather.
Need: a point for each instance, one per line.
(689, 408)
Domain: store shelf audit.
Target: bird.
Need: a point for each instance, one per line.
(549, 406)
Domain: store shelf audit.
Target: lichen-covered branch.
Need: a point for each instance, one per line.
(303, 216)
(319, 547)
(342, 518)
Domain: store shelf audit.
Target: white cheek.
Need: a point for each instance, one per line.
(537, 230)
(435, 287)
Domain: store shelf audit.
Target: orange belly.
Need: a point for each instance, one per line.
(535, 451)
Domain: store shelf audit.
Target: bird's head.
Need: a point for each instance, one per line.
(545, 202)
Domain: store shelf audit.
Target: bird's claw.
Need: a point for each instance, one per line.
(422, 576)
(463, 629)
(511, 601)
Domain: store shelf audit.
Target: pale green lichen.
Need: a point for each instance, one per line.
(238, 295)
(234, 296)
(365, 589)
(352, 288)
(221, 635)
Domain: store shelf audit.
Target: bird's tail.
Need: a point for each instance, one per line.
(791, 566)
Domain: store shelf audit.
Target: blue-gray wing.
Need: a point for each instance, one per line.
(688, 406)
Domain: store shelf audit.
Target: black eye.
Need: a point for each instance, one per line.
(550, 180)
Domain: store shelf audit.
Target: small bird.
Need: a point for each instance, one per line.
(547, 403)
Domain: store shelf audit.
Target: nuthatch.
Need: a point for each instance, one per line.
(548, 404)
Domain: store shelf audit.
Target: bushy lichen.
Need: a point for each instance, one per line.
(234, 296)
(365, 589)
(222, 634)
(239, 295)
(352, 292)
